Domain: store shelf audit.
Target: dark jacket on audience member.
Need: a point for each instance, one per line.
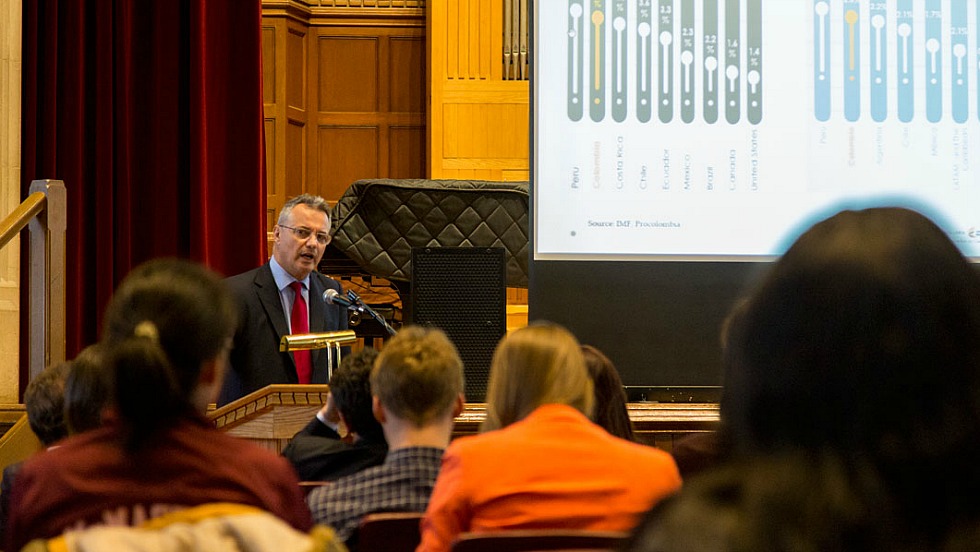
(318, 453)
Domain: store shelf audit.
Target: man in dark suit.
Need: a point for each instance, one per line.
(270, 307)
(317, 452)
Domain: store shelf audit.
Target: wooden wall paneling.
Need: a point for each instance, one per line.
(473, 39)
(345, 94)
(272, 87)
(284, 54)
(463, 32)
(348, 73)
(449, 130)
(297, 93)
(508, 175)
(407, 151)
(294, 153)
(495, 56)
(346, 154)
(407, 85)
(269, 61)
(450, 45)
(294, 67)
(436, 68)
(368, 78)
(346, 89)
(478, 123)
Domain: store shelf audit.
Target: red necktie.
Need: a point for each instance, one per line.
(299, 322)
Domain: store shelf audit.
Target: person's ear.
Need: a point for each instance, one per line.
(210, 372)
(459, 405)
(378, 409)
(209, 382)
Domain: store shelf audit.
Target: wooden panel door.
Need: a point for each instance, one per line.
(344, 93)
(478, 122)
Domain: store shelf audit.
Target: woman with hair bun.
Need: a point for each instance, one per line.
(167, 332)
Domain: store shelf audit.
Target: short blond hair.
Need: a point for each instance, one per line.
(418, 375)
(539, 364)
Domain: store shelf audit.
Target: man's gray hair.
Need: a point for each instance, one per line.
(310, 200)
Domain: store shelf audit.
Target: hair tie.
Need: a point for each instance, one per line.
(148, 330)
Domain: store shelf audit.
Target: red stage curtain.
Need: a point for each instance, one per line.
(151, 112)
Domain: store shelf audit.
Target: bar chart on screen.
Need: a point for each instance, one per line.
(683, 50)
(914, 50)
(709, 129)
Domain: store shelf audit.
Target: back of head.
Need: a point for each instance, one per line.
(350, 386)
(783, 503)
(44, 401)
(865, 333)
(165, 321)
(864, 339)
(610, 397)
(539, 364)
(418, 375)
(86, 390)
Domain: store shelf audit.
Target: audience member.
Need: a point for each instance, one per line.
(699, 452)
(855, 375)
(610, 398)
(266, 297)
(782, 502)
(86, 391)
(541, 462)
(417, 382)
(44, 401)
(167, 331)
(317, 452)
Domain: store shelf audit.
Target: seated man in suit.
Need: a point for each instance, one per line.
(417, 383)
(281, 297)
(317, 452)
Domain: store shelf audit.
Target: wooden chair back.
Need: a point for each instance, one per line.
(389, 532)
(539, 540)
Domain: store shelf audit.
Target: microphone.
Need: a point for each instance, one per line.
(355, 300)
(332, 297)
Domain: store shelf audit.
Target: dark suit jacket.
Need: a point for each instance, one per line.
(318, 453)
(255, 358)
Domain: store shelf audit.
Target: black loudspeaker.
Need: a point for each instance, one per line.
(463, 291)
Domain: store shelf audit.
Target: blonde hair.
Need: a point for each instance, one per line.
(535, 365)
(418, 375)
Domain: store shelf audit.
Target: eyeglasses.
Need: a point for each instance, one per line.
(304, 234)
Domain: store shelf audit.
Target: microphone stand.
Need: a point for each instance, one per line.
(355, 299)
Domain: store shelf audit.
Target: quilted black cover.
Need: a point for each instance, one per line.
(377, 222)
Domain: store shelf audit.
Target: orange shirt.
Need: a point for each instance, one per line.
(553, 469)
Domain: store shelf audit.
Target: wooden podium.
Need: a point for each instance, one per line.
(272, 415)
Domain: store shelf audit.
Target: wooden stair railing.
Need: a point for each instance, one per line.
(44, 213)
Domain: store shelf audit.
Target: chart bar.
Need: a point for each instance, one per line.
(753, 37)
(619, 67)
(687, 60)
(905, 31)
(644, 59)
(733, 61)
(934, 60)
(597, 57)
(576, 41)
(709, 47)
(879, 61)
(666, 59)
(852, 60)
